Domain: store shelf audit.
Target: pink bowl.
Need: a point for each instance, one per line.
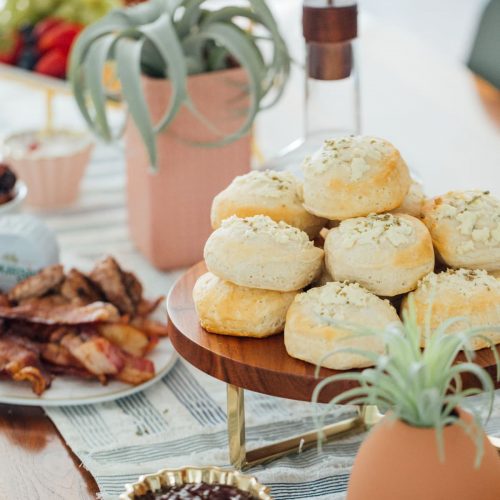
(53, 176)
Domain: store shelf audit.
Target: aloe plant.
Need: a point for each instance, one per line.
(174, 39)
(422, 387)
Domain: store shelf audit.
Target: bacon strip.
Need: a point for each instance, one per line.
(96, 354)
(136, 370)
(20, 360)
(39, 284)
(61, 315)
(150, 327)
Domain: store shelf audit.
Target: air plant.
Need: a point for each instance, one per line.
(174, 39)
(421, 387)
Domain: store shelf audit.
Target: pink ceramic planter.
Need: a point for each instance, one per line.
(53, 181)
(169, 212)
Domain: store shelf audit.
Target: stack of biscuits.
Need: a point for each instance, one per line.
(343, 246)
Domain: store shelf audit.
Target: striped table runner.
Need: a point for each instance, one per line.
(182, 419)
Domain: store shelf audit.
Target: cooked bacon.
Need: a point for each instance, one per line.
(62, 315)
(32, 331)
(108, 276)
(150, 327)
(78, 289)
(126, 337)
(95, 353)
(20, 360)
(72, 371)
(46, 302)
(147, 307)
(58, 354)
(38, 284)
(136, 370)
(133, 287)
(53, 323)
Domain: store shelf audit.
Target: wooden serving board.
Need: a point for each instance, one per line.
(261, 365)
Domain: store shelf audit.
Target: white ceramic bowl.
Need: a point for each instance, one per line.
(53, 172)
(14, 206)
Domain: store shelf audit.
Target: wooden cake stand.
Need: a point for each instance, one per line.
(261, 365)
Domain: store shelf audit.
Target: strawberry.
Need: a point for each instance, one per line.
(45, 25)
(10, 50)
(61, 36)
(53, 63)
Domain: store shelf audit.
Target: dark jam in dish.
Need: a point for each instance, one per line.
(7, 183)
(197, 491)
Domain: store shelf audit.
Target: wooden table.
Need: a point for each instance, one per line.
(407, 97)
(34, 461)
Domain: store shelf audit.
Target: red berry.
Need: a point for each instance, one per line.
(45, 25)
(53, 63)
(60, 36)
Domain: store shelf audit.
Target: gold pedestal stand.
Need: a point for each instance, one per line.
(242, 459)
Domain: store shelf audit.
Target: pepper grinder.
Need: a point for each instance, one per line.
(331, 100)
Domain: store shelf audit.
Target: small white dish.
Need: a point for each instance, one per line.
(14, 206)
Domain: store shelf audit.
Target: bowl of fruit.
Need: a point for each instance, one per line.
(37, 35)
(12, 191)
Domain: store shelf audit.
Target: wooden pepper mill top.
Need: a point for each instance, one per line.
(329, 27)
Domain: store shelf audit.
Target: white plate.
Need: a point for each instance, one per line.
(69, 391)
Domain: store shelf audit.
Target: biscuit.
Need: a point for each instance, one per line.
(258, 252)
(275, 194)
(413, 202)
(354, 177)
(314, 325)
(471, 294)
(465, 229)
(385, 253)
(230, 309)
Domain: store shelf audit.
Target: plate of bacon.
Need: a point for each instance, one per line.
(69, 338)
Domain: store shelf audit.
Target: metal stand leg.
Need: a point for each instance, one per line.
(241, 459)
(236, 425)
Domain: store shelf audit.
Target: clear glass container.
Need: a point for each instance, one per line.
(331, 93)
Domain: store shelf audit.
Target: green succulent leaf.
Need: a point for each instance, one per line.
(250, 60)
(97, 56)
(128, 58)
(161, 35)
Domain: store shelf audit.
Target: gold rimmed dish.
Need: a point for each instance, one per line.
(195, 475)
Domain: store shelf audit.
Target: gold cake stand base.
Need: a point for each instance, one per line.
(242, 459)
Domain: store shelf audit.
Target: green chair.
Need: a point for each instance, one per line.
(484, 59)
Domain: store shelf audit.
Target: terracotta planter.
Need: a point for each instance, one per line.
(169, 212)
(398, 462)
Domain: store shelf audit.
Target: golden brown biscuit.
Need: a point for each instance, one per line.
(230, 309)
(413, 202)
(353, 177)
(275, 194)
(465, 228)
(471, 294)
(314, 324)
(387, 254)
(260, 253)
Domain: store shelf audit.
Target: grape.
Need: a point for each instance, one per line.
(18, 12)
